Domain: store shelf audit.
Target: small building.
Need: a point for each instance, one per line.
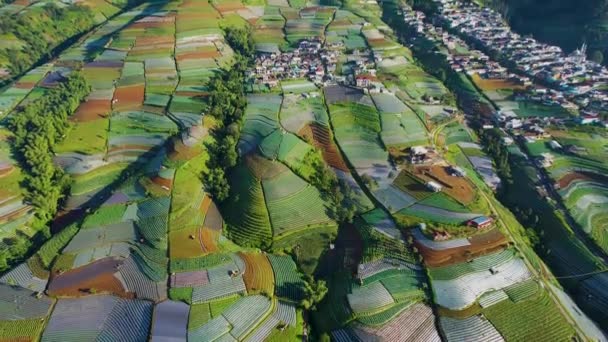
(545, 160)
(555, 145)
(588, 117)
(441, 236)
(418, 150)
(480, 222)
(364, 80)
(434, 186)
(457, 171)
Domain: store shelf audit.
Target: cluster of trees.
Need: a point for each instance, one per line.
(41, 30)
(314, 292)
(227, 103)
(37, 127)
(336, 190)
(492, 142)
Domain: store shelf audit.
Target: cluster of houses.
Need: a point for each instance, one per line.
(469, 61)
(315, 61)
(573, 78)
(310, 60)
(463, 58)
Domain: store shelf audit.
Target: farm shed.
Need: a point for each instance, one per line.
(434, 186)
(480, 222)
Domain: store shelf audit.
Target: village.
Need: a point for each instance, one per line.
(570, 81)
(315, 61)
(574, 81)
(490, 30)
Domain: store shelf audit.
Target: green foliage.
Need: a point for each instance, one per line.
(192, 264)
(537, 319)
(381, 318)
(20, 329)
(289, 282)
(343, 204)
(248, 223)
(314, 292)
(492, 141)
(53, 246)
(104, 216)
(218, 306)
(41, 30)
(38, 126)
(16, 247)
(227, 103)
(199, 315)
(183, 294)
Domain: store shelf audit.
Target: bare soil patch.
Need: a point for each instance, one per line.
(457, 187)
(130, 97)
(481, 244)
(570, 177)
(97, 277)
(92, 110)
(320, 137)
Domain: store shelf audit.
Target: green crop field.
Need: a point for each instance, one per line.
(537, 318)
(188, 187)
(247, 219)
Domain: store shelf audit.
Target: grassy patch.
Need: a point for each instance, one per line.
(307, 247)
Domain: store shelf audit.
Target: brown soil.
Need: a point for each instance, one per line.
(97, 277)
(154, 40)
(19, 339)
(321, 138)
(258, 275)
(208, 240)
(494, 84)
(581, 175)
(179, 151)
(166, 183)
(205, 205)
(5, 171)
(130, 97)
(92, 110)
(481, 244)
(186, 243)
(25, 85)
(457, 187)
(198, 55)
(13, 215)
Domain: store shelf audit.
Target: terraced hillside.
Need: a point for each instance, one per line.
(32, 31)
(201, 205)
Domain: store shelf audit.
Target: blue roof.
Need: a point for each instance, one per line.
(480, 219)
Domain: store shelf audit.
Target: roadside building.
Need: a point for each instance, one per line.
(480, 222)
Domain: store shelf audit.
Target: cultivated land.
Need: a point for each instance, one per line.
(323, 184)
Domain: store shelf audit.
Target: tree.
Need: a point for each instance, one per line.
(226, 103)
(314, 292)
(216, 184)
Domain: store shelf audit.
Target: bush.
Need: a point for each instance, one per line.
(55, 244)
